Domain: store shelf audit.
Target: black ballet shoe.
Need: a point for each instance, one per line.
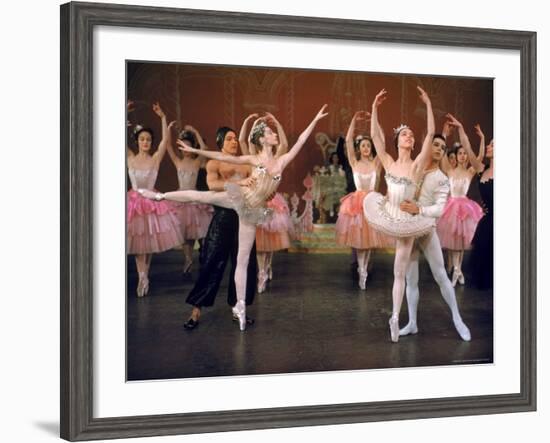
(191, 324)
(249, 321)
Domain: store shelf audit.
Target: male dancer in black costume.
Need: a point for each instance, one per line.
(221, 242)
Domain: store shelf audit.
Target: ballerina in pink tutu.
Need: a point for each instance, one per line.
(275, 234)
(459, 220)
(248, 197)
(151, 226)
(352, 228)
(194, 217)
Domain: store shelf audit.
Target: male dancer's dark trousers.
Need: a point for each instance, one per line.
(220, 246)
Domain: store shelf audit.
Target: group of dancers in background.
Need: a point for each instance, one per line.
(242, 219)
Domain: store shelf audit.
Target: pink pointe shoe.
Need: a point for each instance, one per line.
(262, 280)
(394, 328)
(143, 285)
(239, 310)
(362, 278)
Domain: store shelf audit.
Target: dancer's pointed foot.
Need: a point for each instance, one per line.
(462, 330)
(362, 278)
(262, 280)
(239, 310)
(454, 277)
(411, 328)
(460, 277)
(270, 272)
(394, 328)
(143, 285)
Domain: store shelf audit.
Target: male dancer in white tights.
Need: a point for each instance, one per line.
(431, 201)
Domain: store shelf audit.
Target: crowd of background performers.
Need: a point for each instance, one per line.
(242, 220)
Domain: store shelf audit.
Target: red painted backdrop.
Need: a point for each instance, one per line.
(207, 97)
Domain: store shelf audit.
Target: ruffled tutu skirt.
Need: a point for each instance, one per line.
(275, 234)
(253, 216)
(151, 226)
(352, 228)
(194, 219)
(457, 225)
(392, 221)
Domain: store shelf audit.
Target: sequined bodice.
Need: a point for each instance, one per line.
(364, 182)
(187, 179)
(143, 178)
(263, 188)
(459, 186)
(399, 189)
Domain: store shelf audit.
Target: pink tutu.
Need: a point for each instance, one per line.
(151, 226)
(352, 228)
(194, 219)
(275, 234)
(458, 223)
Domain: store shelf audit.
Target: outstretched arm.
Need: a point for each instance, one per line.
(377, 133)
(283, 142)
(350, 148)
(129, 108)
(158, 156)
(289, 156)
(465, 142)
(170, 147)
(481, 135)
(446, 132)
(425, 153)
(202, 144)
(244, 141)
(220, 156)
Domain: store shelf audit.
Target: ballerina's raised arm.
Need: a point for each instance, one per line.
(465, 142)
(220, 156)
(289, 156)
(423, 158)
(377, 133)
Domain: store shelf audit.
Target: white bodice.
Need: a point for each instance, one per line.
(459, 186)
(364, 182)
(399, 189)
(187, 179)
(262, 189)
(143, 178)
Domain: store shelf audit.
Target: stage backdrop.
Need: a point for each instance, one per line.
(210, 96)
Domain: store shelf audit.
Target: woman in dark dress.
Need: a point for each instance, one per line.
(482, 253)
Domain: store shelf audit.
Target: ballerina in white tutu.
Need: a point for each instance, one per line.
(273, 235)
(248, 197)
(402, 177)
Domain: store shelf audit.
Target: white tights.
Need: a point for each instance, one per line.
(431, 248)
(403, 249)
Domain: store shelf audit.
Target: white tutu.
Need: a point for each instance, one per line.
(254, 216)
(384, 215)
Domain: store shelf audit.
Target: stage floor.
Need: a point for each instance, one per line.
(311, 318)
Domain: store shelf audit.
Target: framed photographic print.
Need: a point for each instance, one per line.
(232, 160)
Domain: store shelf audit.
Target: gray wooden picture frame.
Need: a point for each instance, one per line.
(77, 23)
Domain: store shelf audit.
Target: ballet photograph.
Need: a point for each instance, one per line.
(283, 220)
